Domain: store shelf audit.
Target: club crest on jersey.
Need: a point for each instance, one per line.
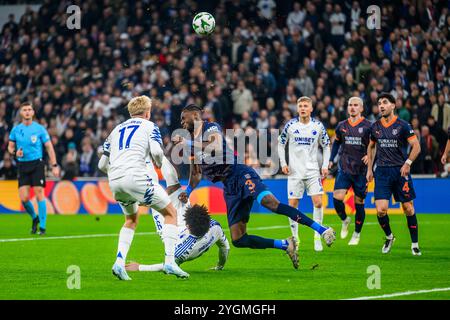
(33, 138)
(360, 130)
(247, 176)
(394, 131)
(314, 132)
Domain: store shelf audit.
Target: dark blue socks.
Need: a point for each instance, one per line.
(359, 217)
(413, 228)
(339, 206)
(299, 217)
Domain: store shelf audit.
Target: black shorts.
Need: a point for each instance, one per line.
(31, 173)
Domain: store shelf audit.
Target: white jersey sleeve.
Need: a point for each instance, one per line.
(283, 140)
(325, 143)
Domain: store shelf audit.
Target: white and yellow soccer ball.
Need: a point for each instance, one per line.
(203, 23)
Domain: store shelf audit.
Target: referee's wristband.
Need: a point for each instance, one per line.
(408, 162)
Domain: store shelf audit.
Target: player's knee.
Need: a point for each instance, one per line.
(338, 195)
(242, 242)
(318, 203)
(381, 212)
(408, 209)
(359, 200)
(270, 202)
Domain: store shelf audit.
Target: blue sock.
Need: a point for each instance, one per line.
(339, 206)
(254, 242)
(281, 244)
(359, 217)
(29, 209)
(42, 206)
(296, 215)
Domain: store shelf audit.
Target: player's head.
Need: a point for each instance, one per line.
(190, 114)
(26, 111)
(304, 107)
(386, 104)
(140, 107)
(197, 220)
(355, 106)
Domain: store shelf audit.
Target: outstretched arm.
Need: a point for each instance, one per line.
(224, 249)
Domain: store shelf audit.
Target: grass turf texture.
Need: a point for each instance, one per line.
(37, 269)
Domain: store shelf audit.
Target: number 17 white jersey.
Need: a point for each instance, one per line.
(129, 147)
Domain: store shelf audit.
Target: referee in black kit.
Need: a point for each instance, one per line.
(26, 143)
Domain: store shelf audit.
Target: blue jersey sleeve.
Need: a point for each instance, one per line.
(211, 128)
(372, 132)
(44, 136)
(408, 132)
(156, 135)
(12, 134)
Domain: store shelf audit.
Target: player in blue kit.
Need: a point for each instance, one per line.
(242, 185)
(391, 136)
(26, 142)
(352, 139)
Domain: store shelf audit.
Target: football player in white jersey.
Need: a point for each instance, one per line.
(133, 181)
(197, 233)
(304, 135)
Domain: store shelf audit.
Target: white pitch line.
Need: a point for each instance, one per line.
(84, 236)
(398, 294)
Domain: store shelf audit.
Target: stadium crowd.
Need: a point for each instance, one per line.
(248, 74)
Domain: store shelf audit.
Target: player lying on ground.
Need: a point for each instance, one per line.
(198, 232)
(26, 142)
(304, 135)
(242, 185)
(391, 136)
(127, 156)
(352, 139)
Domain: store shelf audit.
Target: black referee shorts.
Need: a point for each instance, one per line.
(31, 173)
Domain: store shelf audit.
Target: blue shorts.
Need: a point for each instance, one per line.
(241, 188)
(388, 182)
(357, 181)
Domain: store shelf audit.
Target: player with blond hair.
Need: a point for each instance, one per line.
(304, 135)
(127, 158)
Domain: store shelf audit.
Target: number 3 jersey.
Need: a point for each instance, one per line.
(129, 147)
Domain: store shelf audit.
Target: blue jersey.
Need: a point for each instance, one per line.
(215, 164)
(30, 139)
(391, 141)
(354, 139)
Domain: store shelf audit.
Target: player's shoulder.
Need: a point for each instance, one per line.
(366, 122)
(291, 122)
(212, 127)
(402, 122)
(214, 223)
(318, 123)
(341, 124)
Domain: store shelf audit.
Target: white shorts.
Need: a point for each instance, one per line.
(297, 186)
(133, 190)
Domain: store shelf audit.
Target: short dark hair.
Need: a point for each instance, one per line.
(27, 103)
(192, 107)
(386, 95)
(197, 220)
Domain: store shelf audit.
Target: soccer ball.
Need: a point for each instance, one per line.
(203, 23)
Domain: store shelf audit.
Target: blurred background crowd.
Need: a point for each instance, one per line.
(248, 74)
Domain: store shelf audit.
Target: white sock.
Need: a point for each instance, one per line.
(169, 236)
(125, 238)
(317, 217)
(390, 236)
(294, 228)
(415, 245)
(151, 267)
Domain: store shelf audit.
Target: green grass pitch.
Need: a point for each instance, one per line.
(38, 269)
